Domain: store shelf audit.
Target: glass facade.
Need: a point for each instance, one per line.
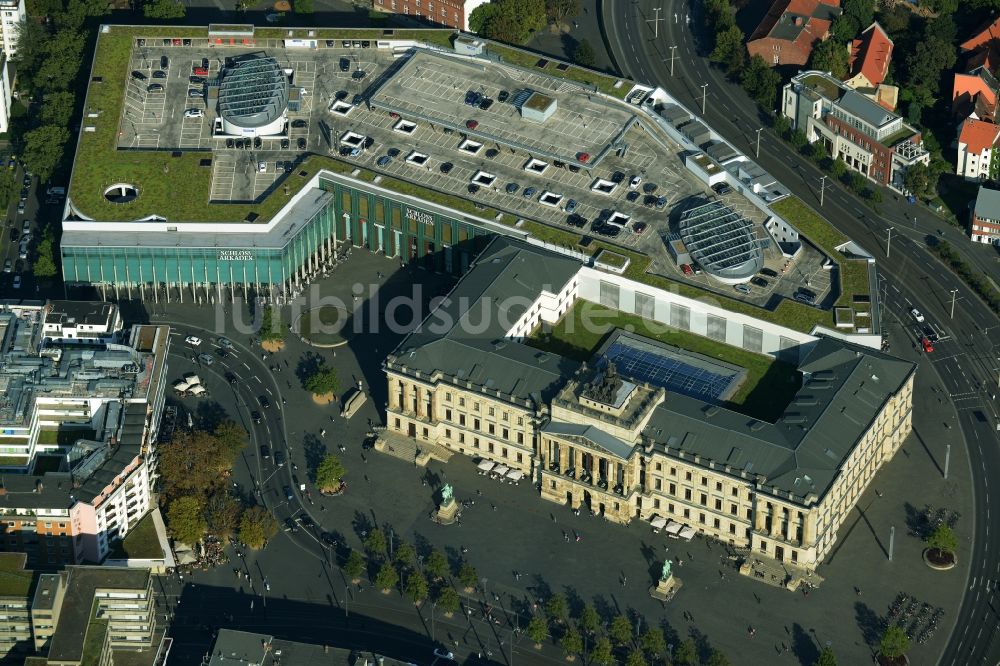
(371, 219)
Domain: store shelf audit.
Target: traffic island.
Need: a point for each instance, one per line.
(272, 346)
(320, 327)
(322, 398)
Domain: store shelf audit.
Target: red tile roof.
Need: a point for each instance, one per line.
(978, 135)
(871, 54)
(970, 85)
(805, 21)
(985, 35)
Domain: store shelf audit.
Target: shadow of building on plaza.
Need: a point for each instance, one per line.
(203, 609)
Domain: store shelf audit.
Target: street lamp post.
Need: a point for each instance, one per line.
(888, 242)
(433, 606)
(704, 97)
(656, 22)
(953, 293)
(672, 57)
(758, 141)
(822, 190)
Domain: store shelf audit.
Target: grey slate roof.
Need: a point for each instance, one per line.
(464, 337)
(845, 387)
(988, 204)
(596, 436)
(858, 105)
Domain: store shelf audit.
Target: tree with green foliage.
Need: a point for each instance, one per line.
(761, 82)
(186, 521)
(164, 9)
(57, 108)
(730, 50)
(921, 180)
(872, 195)
(855, 17)
(386, 578)
(583, 54)
(894, 642)
(826, 658)
(447, 599)
(61, 61)
(416, 587)
(943, 539)
(571, 643)
(686, 653)
(230, 438)
(329, 473)
(44, 265)
(436, 565)
(43, 149)
(719, 15)
(302, 6)
(194, 463)
(271, 328)
(817, 151)
(782, 126)
(589, 620)
(322, 381)
(223, 513)
(652, 642)
(537, 630)
(601, 653)
(559, 10)
(355, 565)
(375, 544)
(635, 658)
(944, 7)
(798, 139)
(467, 576)
(717, 658)
(511, 21)
(857, 182)
(838, 168)
(556, 608)
(481, 15)
(405, 555)
(257, 526)
(620, 631)
(830, 56)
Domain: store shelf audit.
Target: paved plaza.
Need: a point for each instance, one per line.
(518, 542)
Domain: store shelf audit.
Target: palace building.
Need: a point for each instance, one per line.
(643, 431)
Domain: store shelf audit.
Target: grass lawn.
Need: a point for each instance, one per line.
(853, 272)
(769, 384)
(14, 580)
(141, 542)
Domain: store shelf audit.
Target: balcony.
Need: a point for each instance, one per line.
(602, 483)
(555, 468)
(571, 473)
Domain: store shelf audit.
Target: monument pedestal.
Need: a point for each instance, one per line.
(447, 513)
(664, 590)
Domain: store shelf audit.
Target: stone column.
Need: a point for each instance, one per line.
(418, 399)
(393, 393)
(759, 516)
(809, 528)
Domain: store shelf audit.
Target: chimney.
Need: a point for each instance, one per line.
(797, 20)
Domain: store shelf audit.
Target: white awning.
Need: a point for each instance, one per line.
(500, 470)
(515, 475)
(674, 528)
(486, 465)
(658, 522)
(687, 533)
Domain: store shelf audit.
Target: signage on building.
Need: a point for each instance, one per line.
(419, 216)
(235, 255)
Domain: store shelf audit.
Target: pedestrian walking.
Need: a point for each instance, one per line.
(624, 581)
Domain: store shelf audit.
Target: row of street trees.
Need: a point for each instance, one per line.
(195, 468)
(514, 21)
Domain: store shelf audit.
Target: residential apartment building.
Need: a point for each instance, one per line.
(868, 60)
(79, 426)
(86, 615)
(16, 584)
(6, 91)
(450, 13)
(977, 154)
(13, 15)
(782, 489)
(984, 227)
(869, 138)
(791, 28)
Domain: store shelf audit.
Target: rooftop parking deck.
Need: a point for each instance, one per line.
(434, 88)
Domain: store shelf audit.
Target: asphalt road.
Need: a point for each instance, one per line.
(968, 367)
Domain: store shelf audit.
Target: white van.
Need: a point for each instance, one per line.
(56, 191)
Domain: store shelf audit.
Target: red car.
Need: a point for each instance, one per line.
(199, 71)
(926, 344)
(472, 124)
(583, 157)
(687, 269)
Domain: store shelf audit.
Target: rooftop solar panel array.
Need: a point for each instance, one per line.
(669, 372)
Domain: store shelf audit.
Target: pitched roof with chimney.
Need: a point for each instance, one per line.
(871, 54)
(799, 21)
(977, 135)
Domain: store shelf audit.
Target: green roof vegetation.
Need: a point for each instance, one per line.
(19, 461)
(766, 391)
(93, 644)
(528, 60)
(64, 436)
(853, 272)
(141, 543)
(15, 581)
(822, 85)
